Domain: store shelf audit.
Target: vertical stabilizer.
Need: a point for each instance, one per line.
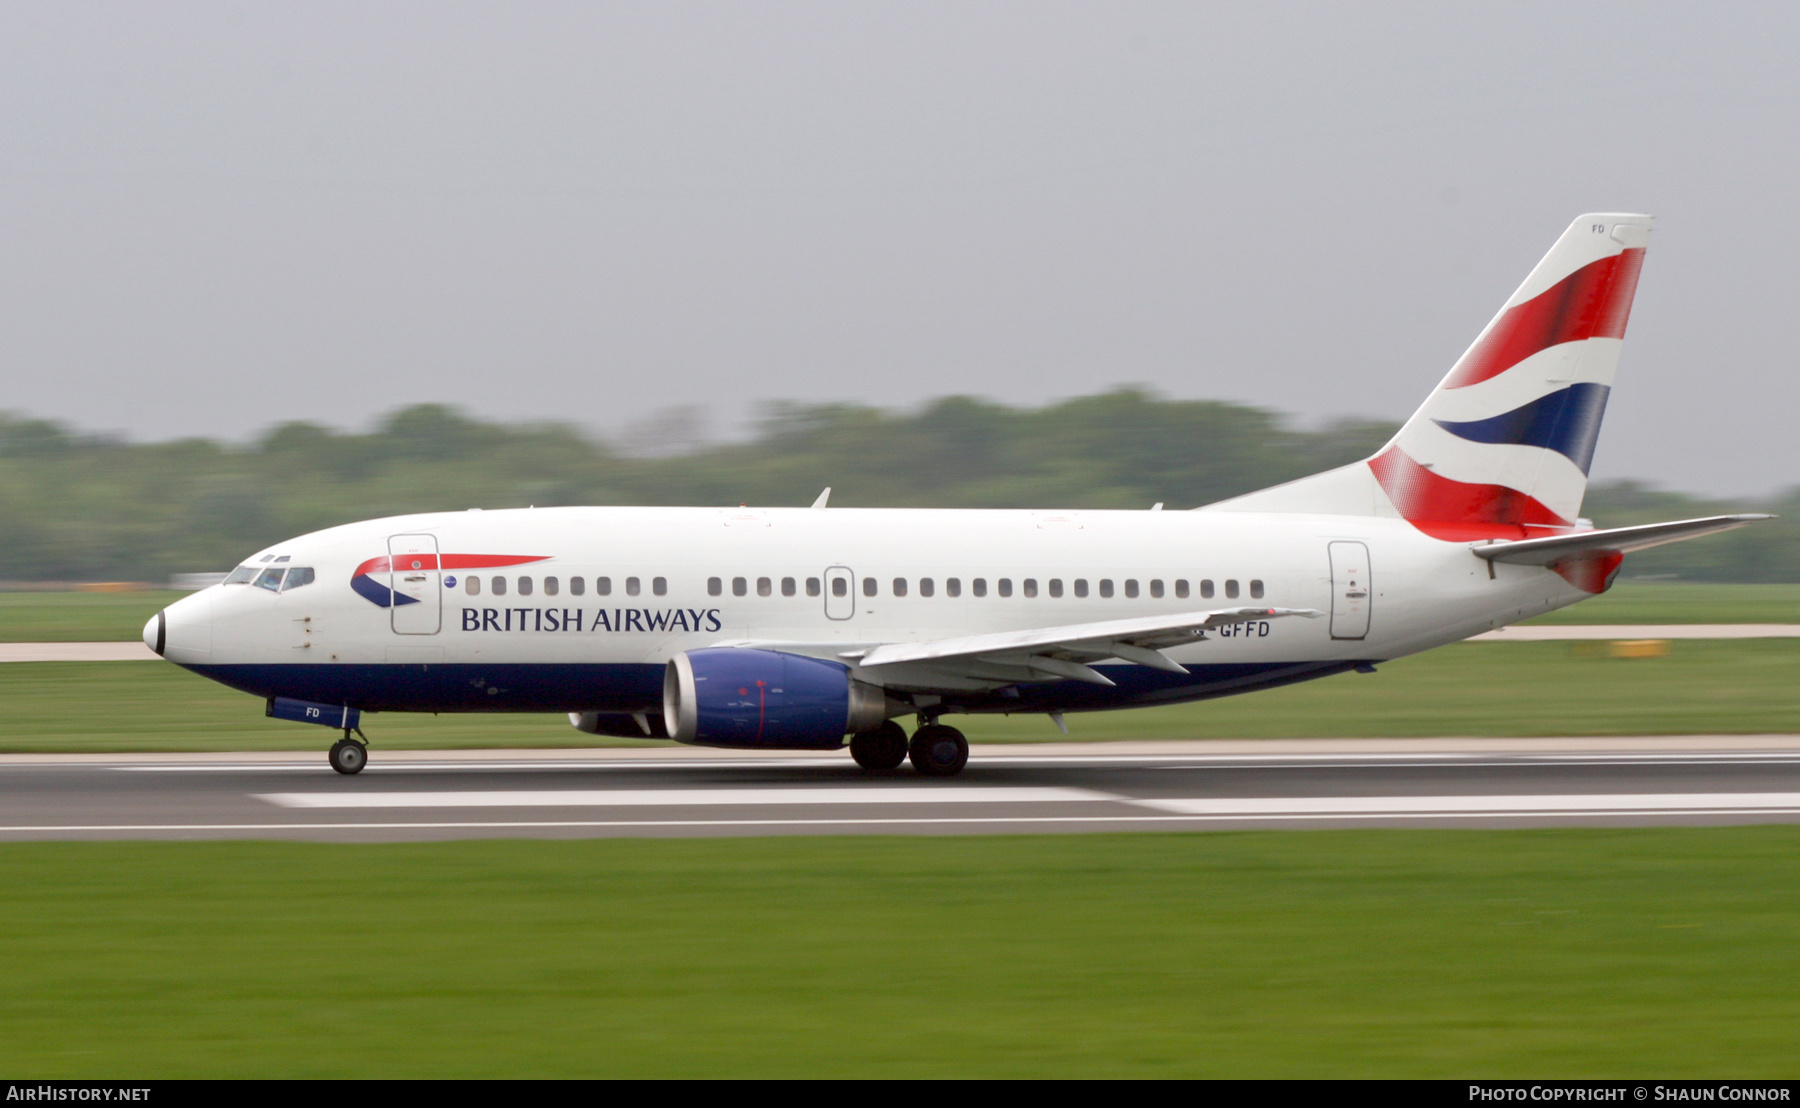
(1501, 448)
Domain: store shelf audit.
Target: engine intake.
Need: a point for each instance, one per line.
(766, 699)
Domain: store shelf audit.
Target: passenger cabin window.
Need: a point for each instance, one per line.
(1029, 586)
(787, 586)
(633, 586)
(602, 586)
(1055, 586)
(840, 587)
(577, 586)
(1131, 588)
(765, 587)
(524, 586)
(812, 586)
(1106, 589)
(242, 575)
(1181, 588)
(1206, 590)
(927, 586)
(297, 577)
(1231, 589)
(552, 586)
(1080, 586)
(714, 586)
(740, 586)
(978, 586)
(899, 586)
(869, 586)
(1156, 589)
(1256, 590)
(498, 585)
(659, 586)
(952, 586)
(1005, 586)
(472, 585)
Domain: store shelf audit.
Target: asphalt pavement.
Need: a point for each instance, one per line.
(1012, 790)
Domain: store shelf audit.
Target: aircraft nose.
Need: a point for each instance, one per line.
(183, 632)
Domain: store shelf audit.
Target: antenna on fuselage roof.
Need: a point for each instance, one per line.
(823, 497)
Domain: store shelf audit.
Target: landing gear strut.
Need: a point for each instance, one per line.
(938, 750)
(348, 755)
(881, 749)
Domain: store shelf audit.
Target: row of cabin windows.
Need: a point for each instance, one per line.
(953, 586)
(603, 586)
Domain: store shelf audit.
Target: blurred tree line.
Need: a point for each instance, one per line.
(76, 507)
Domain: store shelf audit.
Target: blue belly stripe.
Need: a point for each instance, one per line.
(638, 687)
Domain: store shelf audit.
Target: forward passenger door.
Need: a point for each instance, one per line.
(415, 579)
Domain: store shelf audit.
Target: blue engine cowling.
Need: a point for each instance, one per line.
(766, 699)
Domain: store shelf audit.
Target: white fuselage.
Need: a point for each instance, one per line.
(658, 581)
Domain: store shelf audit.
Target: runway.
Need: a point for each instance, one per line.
(1042, 789)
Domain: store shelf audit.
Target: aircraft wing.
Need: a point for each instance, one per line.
(1057, 653)
(1617, 540)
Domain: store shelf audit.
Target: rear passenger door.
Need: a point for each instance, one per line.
(415, 580)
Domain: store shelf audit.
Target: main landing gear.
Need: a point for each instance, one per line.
(881, 749)
(936, 750)
(348, 755)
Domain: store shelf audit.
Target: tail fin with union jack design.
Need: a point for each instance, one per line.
(1501, 449)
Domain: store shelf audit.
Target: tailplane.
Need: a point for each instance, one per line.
(1501, 448)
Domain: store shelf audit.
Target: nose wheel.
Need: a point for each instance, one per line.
(349, 756)
(938, 750)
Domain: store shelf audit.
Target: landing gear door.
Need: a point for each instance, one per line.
(418, 589)
(1351, 592)
(840, 593)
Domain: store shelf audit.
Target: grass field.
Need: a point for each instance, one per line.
(1703, 686)
(1316, 954)
(79, 616)
(113, 617)
(1672, 602)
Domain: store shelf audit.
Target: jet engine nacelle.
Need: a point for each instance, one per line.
(766, 699)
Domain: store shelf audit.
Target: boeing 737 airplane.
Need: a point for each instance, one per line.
(792, 628)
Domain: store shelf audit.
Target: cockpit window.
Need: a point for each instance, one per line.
(270, 579)
(296, 577)
(242, 575)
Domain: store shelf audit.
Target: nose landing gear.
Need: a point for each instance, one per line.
(348, 755)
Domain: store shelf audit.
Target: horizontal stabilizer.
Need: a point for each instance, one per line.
(1615, 540)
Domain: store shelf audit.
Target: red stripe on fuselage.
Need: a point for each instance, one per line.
(450, 561)
(1458, 511)
(1594, 302)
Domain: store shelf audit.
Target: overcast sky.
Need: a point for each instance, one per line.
(218, 216)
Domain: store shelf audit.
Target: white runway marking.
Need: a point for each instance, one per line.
(665, 798)
(1283, 806)
(316, 767)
